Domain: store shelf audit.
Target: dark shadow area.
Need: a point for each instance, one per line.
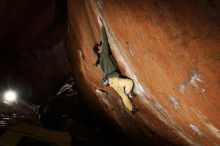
(66, 111)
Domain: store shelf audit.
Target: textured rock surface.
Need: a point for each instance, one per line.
(169, 48)
(171, 51)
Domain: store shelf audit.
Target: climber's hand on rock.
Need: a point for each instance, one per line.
(100, 21)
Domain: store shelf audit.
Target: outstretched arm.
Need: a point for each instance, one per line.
(104, 41)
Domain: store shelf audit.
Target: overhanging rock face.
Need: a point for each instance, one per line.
(171, 50)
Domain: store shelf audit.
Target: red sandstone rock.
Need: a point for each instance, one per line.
(171, 49)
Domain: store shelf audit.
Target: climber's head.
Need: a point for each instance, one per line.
(97, 50)
(100, 49)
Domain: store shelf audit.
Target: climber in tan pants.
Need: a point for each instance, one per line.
(123, 86)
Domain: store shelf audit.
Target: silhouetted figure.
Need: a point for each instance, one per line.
(55, 114)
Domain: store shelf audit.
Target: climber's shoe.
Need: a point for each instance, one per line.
(131, 95)
(134, 110)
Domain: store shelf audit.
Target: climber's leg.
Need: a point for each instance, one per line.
(118, 85)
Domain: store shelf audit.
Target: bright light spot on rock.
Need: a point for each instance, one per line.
(10, 96)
